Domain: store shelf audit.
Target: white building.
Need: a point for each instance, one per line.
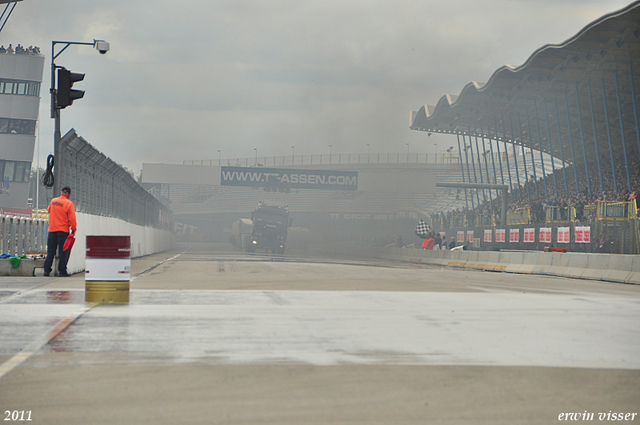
(21, 73)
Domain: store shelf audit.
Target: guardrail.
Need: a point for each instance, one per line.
(21, 235)
(617, 210)
(561, 214)
(519, 216)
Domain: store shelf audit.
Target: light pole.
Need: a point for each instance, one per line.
(256, 149)
(103, 47)
(436, 145)
(330, 150)
(407, 152)
(369, 152)
(293, 154)
(219, 157)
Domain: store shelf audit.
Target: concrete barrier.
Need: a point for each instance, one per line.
(144, 240)
(542, 263)
(514, 261)
(529, 262)
(609, 267)
(577, 265)
(559, 264)
(490, 261)
(634, 275)
(25, 268)
(621, 269)
(597, 267)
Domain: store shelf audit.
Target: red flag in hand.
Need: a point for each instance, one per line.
(68, 244)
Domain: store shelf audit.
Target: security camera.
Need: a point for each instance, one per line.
(102, 46)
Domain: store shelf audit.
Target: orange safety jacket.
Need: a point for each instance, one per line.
(62, 215)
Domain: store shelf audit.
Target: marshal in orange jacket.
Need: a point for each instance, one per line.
(62, 215)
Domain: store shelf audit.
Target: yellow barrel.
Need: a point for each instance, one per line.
(107, 292)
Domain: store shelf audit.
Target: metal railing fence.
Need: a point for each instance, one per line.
(333, 159)
(560, 214)
(617, 210)
(21, 235)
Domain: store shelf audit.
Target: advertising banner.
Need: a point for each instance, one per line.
(469, 235)
(500, 235)
(530, 235)
(563, 235)
(545, 234)
(488, 233)
(282, 179)
(514, 235)
(460, 236)
(583, 234)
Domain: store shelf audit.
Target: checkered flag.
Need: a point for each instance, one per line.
(422, 229)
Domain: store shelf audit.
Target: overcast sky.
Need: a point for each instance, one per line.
(186, 78)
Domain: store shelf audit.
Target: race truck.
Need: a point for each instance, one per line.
(269, 231)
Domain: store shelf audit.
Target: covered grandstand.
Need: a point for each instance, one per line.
(576, 101)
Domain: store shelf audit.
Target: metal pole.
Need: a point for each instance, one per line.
(584, 145)
(498, 149)
(515, 156)
(606, 119)
(622, 138)
(524, 159)
(475, 135)
(506, 154)
(486, 163)
(544, 170)
(55, 113)
(533, 161)
(466, 158)
(553, 163)
(462, 168)
(564, 166)
(635, 106)
(473, 164)
(595, 138)
(573, 154)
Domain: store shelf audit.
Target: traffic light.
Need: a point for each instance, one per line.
(65, 94)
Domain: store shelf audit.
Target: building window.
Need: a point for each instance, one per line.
(14, 126)
(15, 171)
(22, 88)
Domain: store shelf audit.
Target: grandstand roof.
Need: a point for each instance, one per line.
(555, 94)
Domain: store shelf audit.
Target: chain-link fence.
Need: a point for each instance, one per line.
(99, 186)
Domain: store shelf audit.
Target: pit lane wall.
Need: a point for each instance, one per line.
(605, 267)
(144, 240)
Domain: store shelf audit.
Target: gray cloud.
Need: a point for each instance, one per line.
(184, 79)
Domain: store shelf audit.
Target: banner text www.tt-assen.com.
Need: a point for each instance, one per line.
(288, 178)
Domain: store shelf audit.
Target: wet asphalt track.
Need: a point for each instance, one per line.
(203, 308)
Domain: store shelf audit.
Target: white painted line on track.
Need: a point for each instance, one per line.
(32, 348)
(157, 265)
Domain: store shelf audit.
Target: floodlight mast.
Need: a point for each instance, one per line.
(103, 47)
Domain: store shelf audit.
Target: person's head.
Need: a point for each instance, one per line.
(66, 191)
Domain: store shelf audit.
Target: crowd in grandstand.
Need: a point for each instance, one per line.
(537, 196)
(20, 50)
